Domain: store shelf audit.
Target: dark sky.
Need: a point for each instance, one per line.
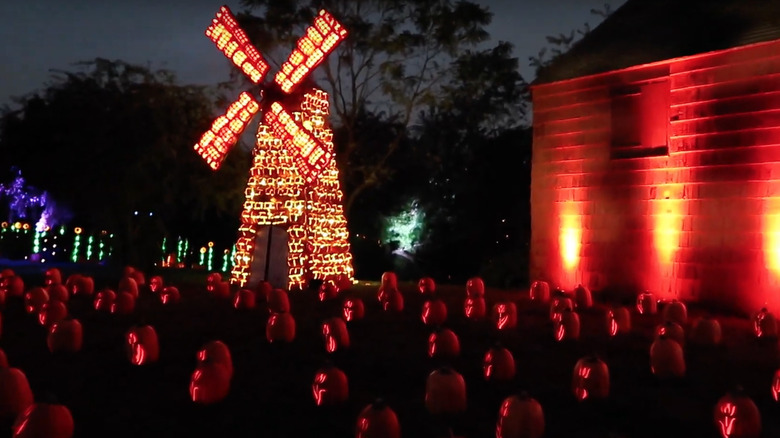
(39, 35)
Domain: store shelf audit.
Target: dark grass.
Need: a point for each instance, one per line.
(271, 388)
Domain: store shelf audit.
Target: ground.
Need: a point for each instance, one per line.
(271, 388)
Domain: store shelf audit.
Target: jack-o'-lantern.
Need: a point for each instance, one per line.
(590, 379)
(389, 279)
(475, 288)
(764, 324)
(443, 343)
(221, 290)
(49, 420)
(34, 299)
(263, 290)
(666, 358)
(104, 300)
(212, 280)
(706, 331)
(15, 393)
(330, 386)
(71, 281)
(582, 297)
(216, 352)
(156, 284)
(66, 336)
(383, 294)
(15, 287)
(5, 274)
(139, 277)
(520, 417)
(128, 271)
(3, 359)
(84, 285)
(128, 284)
(170, 295)
(51, 312)
(278, 301)
(377, 420)
(52, 276)
(210, 383)
(328, 291)
(646, 303)
(58, 292)
(567, 326)
(736, 416)
(434, 312)
(775, 385)
(280, 328)
(671, 330)
(474, 308)
(141, 345)
(244, 299)
(505, 315)
(558, 304)
(124, 303)
(353, 309)
(618, 321)
(498, 364)
(335, 334)
(445, 392)
(676, 311)
(426, 286)
(540, 291)
(394, 301)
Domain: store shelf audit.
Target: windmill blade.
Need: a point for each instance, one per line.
(233, 42)
(309, 155)
(320, 39)
(215, 143)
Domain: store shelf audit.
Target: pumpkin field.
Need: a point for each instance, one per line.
(385, 354)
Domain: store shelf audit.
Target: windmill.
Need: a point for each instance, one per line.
(292, 225)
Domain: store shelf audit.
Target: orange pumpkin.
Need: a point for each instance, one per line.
(104, 300)
(66, 336)
(216, 352)
(335, 334)
(210, 383)
(389, 279)
(124, 304)
(263, 290)
(34, 299)
(44, 420)
(520, 417)
(221, 290)
(445, 392)
(764, 324)
(278, 301)
(559, 304)
(582, 297)
(434, 312)
(504, 315)
(736, 416)
(328, 291)
(666, 358)
(58, 292)
(330, 386)
(498, 364)
(354, 309)
(212, 280)
(567, 326)
(72, 281)
(443, 343)
(280, 328)
(590, 379)
(15, 286)
(156, 284)
(426, 286)
(647, 304)
(475, 288)
(15, 393)
(84, 285)
(540, 291)
(52, 276)
(676, 311)
(394, 301)
(671, 330)
(244, 299)
(141, 345)
(127, 271)
(706, 331)
(377, 420)
(618, 321)
(170, 295)
(128, 284)
(139, 277)
(775, 383)
(474, 308)
(52, 312)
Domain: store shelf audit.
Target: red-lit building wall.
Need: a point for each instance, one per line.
(663, 177)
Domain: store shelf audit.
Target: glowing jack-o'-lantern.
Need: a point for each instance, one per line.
(65, 336)
(671, 330)
(335, 334)
(156, 284)
(263, 290)
(51, 312)
(394, 301)
(736, 416)
(212, 280)
(520, 417)
(139, 277)
(474, 308)
(34, 299)
(498, 364)
(775, 385)
(618, 321)
(445, 392)
(328, 291)
(278, 301)
(377, 420)
(216, 352)
(71, 282)
(280, 328)
(475, 288)
(128, 284)
(141, 345)
(104, 299)
(330, 386)
(124, 303)
(676, 311)
(170, 295)
(389, 279)
(706, 331)
(567, 326)
(590, 379)
(15, 393)
(434, 312)
(666, 358)
(426, 286)
(443, 343)
(44, 420)
(244, 299)
(559, 304)
(505, 315)
(582, 297)
(764, 324)
(221, 290)
(353, 309)
(14, 286)
(210, 383)
(540, 291)
(646, 304)
(84, 285)
(52, 276)
(58, 292)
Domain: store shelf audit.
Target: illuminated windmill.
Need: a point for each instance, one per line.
(293, 227)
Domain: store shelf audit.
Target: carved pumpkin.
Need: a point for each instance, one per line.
(383, 294)
(280, 328)
(128, 271)
(84, 285)
(390, 280)
(676, 312)
(567, 326)
(647, 304)
(434, 312)
(71, 282)
(775, 384)
(139, 277)
(210, 383)
(706, 331)
(263, 290)
(51, 312)
(666, 358)
(475, 288)
(104, 300)
(6, 274)
(128, 284)
(394, 301)
(44, 420)
(443, 343)
(474, 308)
(582, 297)
(354, 309)
(34, 299)
(244, 299)
(141, 345)
(445, 392)
(58, 292)
(170, 295)
(520, 417)
(618, 321)
(330, 386)
(15, 287)
(377, 420)
(221, 290)
(671, 330)
(52, 276)
(212, 279)
(335, 334)
(590, 379)
(764, 324)
(66, 336)
(278, 301)
(15, 393)
(736, 416)
(505, 315)
(426, 286)
(558, 304)
(328, 291)
(216, 352)
(498, 364)
(156, 284)
(124, 303)
(540, 291)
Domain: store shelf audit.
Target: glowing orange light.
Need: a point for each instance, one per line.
(139, 355)
(776, 386)
(233, 42)
(583, 374)
(310, 156)
(771, 231)
(503, 316)
(317, 389)
(570, 239)
(727, 420)
(432, 345)
(560, 331)
(215, 143)
(668, 225)
(613, 325)
(488, 366)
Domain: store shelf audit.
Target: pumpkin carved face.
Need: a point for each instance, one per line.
(209, 383)
(280, 327)
(498, 364)
(104, 300)
(505, 315)
(34, 300)
(170, 295)
(590, 379)
(328, 291)
(764, 324)
(776, 386)
(646, 304)
(335, 334)
(474, 308)
(330, 386)
(475, 288)
(426, 286)
(434, 312)
(354, 309)
(156, 284)
(443, 343)
(736, 416)
(141, 345)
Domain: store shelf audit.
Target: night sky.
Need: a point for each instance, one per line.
(39, 35)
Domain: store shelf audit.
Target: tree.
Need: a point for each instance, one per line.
(112, 139)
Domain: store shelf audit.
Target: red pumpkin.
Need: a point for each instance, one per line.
(736, 416)
(221, 290)
(389, 279)
(520, 417)
(170, 295)
(618, 321)
(394, 302)
(66, 336)
(582, 297)
(15, 393)
(354, 309)
(330, 386)
(216, 352)
(426, 286)
(443, 343)
(764, 324)
(559, 304)
(128, 284)
(72, 281)
(328, 291)
(474, 308)
(335, 334)
(671, 330)
(676, 312)
(434, 312)
(141, 345)
(51, 312)
(139, 277)
(244, 299)
(590, 379)
(540, 291)
(212, 280)
(263, 290)
(377, 420)
(15, 287)
(383, 294)
(52, 276)
(84, 285)
(666, 358)
(124, 304)
(34, 299)
(280, 328)
(498, 364)
(6, 274)
(475, 288)
(127, 271)
(278, 301)
(445, 392)
(567, 326)
(104, 300)
(210, 383)
(647, 304)
(505, 315)
(44, 420)
(58, 292)
(775, 384)
(706, 331)
(156, 284)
